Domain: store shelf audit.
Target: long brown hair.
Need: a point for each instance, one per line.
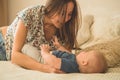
(68, 32)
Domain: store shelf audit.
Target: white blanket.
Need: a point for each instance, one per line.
(9, 71)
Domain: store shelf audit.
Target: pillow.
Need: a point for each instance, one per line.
(111, 51)
(104, 29)
(84, 32)
(115, 26)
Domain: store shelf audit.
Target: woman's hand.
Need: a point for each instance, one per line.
(50, 69)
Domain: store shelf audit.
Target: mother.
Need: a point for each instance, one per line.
(37, 25)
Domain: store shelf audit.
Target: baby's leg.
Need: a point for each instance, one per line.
(2, 48)
(32, 52)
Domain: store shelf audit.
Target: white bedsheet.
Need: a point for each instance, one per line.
(9, 71)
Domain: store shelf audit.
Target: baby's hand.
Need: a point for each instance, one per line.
(45, 48)
(56, 42)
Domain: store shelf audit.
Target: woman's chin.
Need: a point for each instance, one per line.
(58, 26)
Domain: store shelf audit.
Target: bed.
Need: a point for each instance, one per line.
(100, 24)
(9, 71)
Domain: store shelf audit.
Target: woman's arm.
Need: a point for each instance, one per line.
(21, 59)
(50, 59)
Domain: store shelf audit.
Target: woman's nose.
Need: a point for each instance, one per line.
(67, 18)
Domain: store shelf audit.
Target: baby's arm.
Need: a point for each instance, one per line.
(50, 59)
(58, 45)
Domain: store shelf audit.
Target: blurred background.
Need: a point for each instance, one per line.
(9, 8)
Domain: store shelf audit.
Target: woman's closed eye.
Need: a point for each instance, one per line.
(63, 13)
(70, 14)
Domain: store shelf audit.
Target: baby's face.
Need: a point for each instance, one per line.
(81, 57)
(85, 56)
(84, 59)
(83, 53)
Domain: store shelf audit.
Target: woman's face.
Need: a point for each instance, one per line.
(58, 19)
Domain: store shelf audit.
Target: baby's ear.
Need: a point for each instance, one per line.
(84, 62)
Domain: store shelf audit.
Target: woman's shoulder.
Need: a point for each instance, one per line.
(31, 9)
(30, 15)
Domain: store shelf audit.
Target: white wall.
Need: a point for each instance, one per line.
(100, 7)
(106, 24)
(3, 12)
(17, 5)
(95, 7)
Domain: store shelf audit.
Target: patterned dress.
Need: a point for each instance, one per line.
(32, 17)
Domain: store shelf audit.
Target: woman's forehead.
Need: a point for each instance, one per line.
(70, 6)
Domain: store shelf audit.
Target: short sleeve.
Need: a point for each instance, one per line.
(69, 66)
(58, 53)
(68, 61)
(29, 15)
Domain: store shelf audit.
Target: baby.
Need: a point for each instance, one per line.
(85, 62)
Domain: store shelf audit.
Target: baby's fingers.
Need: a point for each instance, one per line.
(44, 46)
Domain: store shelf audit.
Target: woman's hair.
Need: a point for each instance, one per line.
(69, 30)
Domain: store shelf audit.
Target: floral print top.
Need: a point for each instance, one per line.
(32, 17)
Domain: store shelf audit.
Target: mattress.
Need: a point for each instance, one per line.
(10, 71)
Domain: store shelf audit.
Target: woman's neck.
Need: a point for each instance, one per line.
(49, 29)
(46, 19)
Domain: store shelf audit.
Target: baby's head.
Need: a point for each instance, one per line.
(91, 62)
